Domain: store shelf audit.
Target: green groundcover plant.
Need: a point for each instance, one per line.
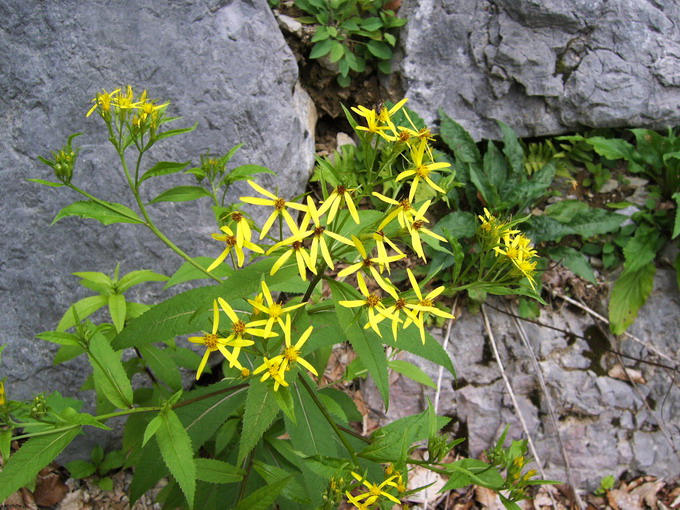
(268, 429)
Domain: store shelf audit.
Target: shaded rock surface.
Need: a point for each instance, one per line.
(224, 65)
(604, 423)
(543, 67)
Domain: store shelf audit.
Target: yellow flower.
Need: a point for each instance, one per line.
(519, 251)
(291, 353)
(214, 343)
(372, 123)
(400, 305)
(243, 232)
(273, 370)
(232, 243)
(385, 114)
(274, 310)
(301, 255)
(280, 208)
(372, 302)
(103, 102)
(417, 226)
(240, 328)
(380, 239)
(425, 305)
(126, 101)
(403, 212)
(421, 170)
(368, 262)
(333, 201)
(318, 234)
(377, 490)
(3, 398)
(358, 504)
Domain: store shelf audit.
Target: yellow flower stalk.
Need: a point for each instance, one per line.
(318, 241)
(240, 328)
(334, 200)
(424, 305)
(368, 262)
(372, 302)
(421, 171)
(291, 353)
(272, 368)
(3, 397)
(416, 226)
(273, 309)
(214, 343)
(231, 241)
(280, 208)
(103, 101)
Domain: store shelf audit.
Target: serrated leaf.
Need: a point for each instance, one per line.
(181, 194)
(263, 498)
(411, 371)
(293, 491)
(630, 292)
(148, 471)
(245, 172)
(107, 213)
(188, 272)
(260, 412)
(163, 168)
(175, 132)
(109, 375)
(175, 445)
(363, 341)
(216, 471)
(162, 366)
(36, 453)
(117, 310)
(151, 429)
(595, 222)
(459, 141)
(284, 400)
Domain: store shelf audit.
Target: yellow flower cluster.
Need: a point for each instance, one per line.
(145, 113)
(375, 492)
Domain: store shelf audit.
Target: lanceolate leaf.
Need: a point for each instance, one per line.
(136, 277)
(162, 366)
(174, 316)
(215, 471)
(22, 467)
(109, 375)
(411, 371)
(630, 292)
(261, 410)
(163, 168)
(181, 194)
(409, 340)
(117, 310)
(104, 212)
(177, 453)
(365, 342)
(263, 498)
(84, 308)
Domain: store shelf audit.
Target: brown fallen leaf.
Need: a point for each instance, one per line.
(648, 492)
(49, 487)
(626, 374)
(488, 498)
(623, 500)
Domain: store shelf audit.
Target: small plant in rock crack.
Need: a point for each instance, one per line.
(351, 33)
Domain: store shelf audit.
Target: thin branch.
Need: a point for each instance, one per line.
(551, 411)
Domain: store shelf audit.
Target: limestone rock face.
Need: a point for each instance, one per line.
(222, 64)
(543, 66)
(607, 425)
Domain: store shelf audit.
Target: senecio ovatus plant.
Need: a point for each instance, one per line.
(266, 428)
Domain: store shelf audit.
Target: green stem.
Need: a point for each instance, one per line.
(330, 421)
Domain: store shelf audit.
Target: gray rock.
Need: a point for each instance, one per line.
(224, 65)
(543, 67)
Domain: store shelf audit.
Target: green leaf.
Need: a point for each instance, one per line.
(458, 223)
(612, 148)
(176, 316)
(365, 342)
(566, 210)
(99, 279)
(459, 141)
(188, 272)
(543, 228)
(320, 34)
(294, 491)
(117, 310)
(109, 375)
(409, 340)
(641, 249)
(104, 212)
(391, 40)
(630, 292)
(337, 51)
(573, 260)
(216, 471)
(36, 453)
(162, 365)
(136, 277)
(512, 149)
(321, 48)
(472, 471)
(80, 469)
(163, 168)
(46, 183)
(59, 338)
(371, 24)
(343, 406)
(73, 417)
(411, 371)
(284, 400)
(181, 194)
(595, 222)
(261, 410)
(379, 49)
(175, 132)
(385, 66)
(175, 445)
(263, 498)
(676, 226)
(245, 172)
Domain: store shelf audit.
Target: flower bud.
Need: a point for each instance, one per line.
(3, 398)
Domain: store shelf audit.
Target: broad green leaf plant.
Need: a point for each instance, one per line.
(266, 428)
